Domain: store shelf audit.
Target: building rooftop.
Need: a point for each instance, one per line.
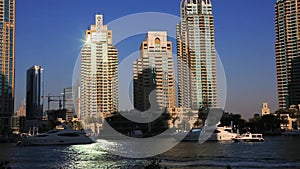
(184, 2)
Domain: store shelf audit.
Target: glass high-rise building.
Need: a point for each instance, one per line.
(287, 52)
(68, 100)
(34, 95)
(99, 72)
(7, 64)
(154, 70)
(196, 53)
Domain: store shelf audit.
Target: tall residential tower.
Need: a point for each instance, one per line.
(154, 70)
(7, 64)
(287, 24)
(196, 56)
(34, 96)
(99, 72)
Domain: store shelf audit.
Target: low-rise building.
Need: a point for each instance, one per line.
(288, 123)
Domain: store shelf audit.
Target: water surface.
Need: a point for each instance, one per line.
(276, 152)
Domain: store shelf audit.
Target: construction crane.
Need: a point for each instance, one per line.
(58, 99)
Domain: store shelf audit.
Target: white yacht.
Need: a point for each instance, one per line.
(222, 134)
(219, 134)
(57, 137)
(249, 137)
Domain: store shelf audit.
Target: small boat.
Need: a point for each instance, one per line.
(57, 137)
(249, 137)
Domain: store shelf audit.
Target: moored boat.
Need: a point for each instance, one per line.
(249, 137)
(219, 134)
(223, 134)
(57, 137)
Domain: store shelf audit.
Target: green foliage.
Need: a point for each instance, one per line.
(202, 114)
(237, 120)
(265, 123)
(198, 123)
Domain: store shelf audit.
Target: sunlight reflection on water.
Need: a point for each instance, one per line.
(275, 152)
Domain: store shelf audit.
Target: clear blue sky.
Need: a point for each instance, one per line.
(49, 33)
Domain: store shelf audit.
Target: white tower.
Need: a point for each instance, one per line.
(265, 109)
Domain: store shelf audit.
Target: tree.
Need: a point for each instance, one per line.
(198, 123)
(203, 113)
(281, 111)
(270, 122)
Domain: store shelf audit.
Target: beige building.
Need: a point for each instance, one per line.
(287, 52)
(99, 72)
(287, 123)
(196, 55)
(21, 112)
(265, 109)
(183, 119)
(154, 70)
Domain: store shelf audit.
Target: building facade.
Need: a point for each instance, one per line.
(34, 96)
(68, 102)
(7, 64)
(21, 112)
(265, 110)
(99, 72)
(287, 49)
(154, 70)
(197, 79)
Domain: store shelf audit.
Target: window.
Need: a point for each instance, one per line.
(157, 43)
(68, 135)
(42, 135)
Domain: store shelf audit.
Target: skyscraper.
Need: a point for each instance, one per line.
(154, 70)
(7, 64)
(34, 96)
(287, 52)
(99, 72)
(196, 56)
(68, 102)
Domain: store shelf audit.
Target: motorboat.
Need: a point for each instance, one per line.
(219, 134)
(222, 134)
(57, 137)
(249, 137)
